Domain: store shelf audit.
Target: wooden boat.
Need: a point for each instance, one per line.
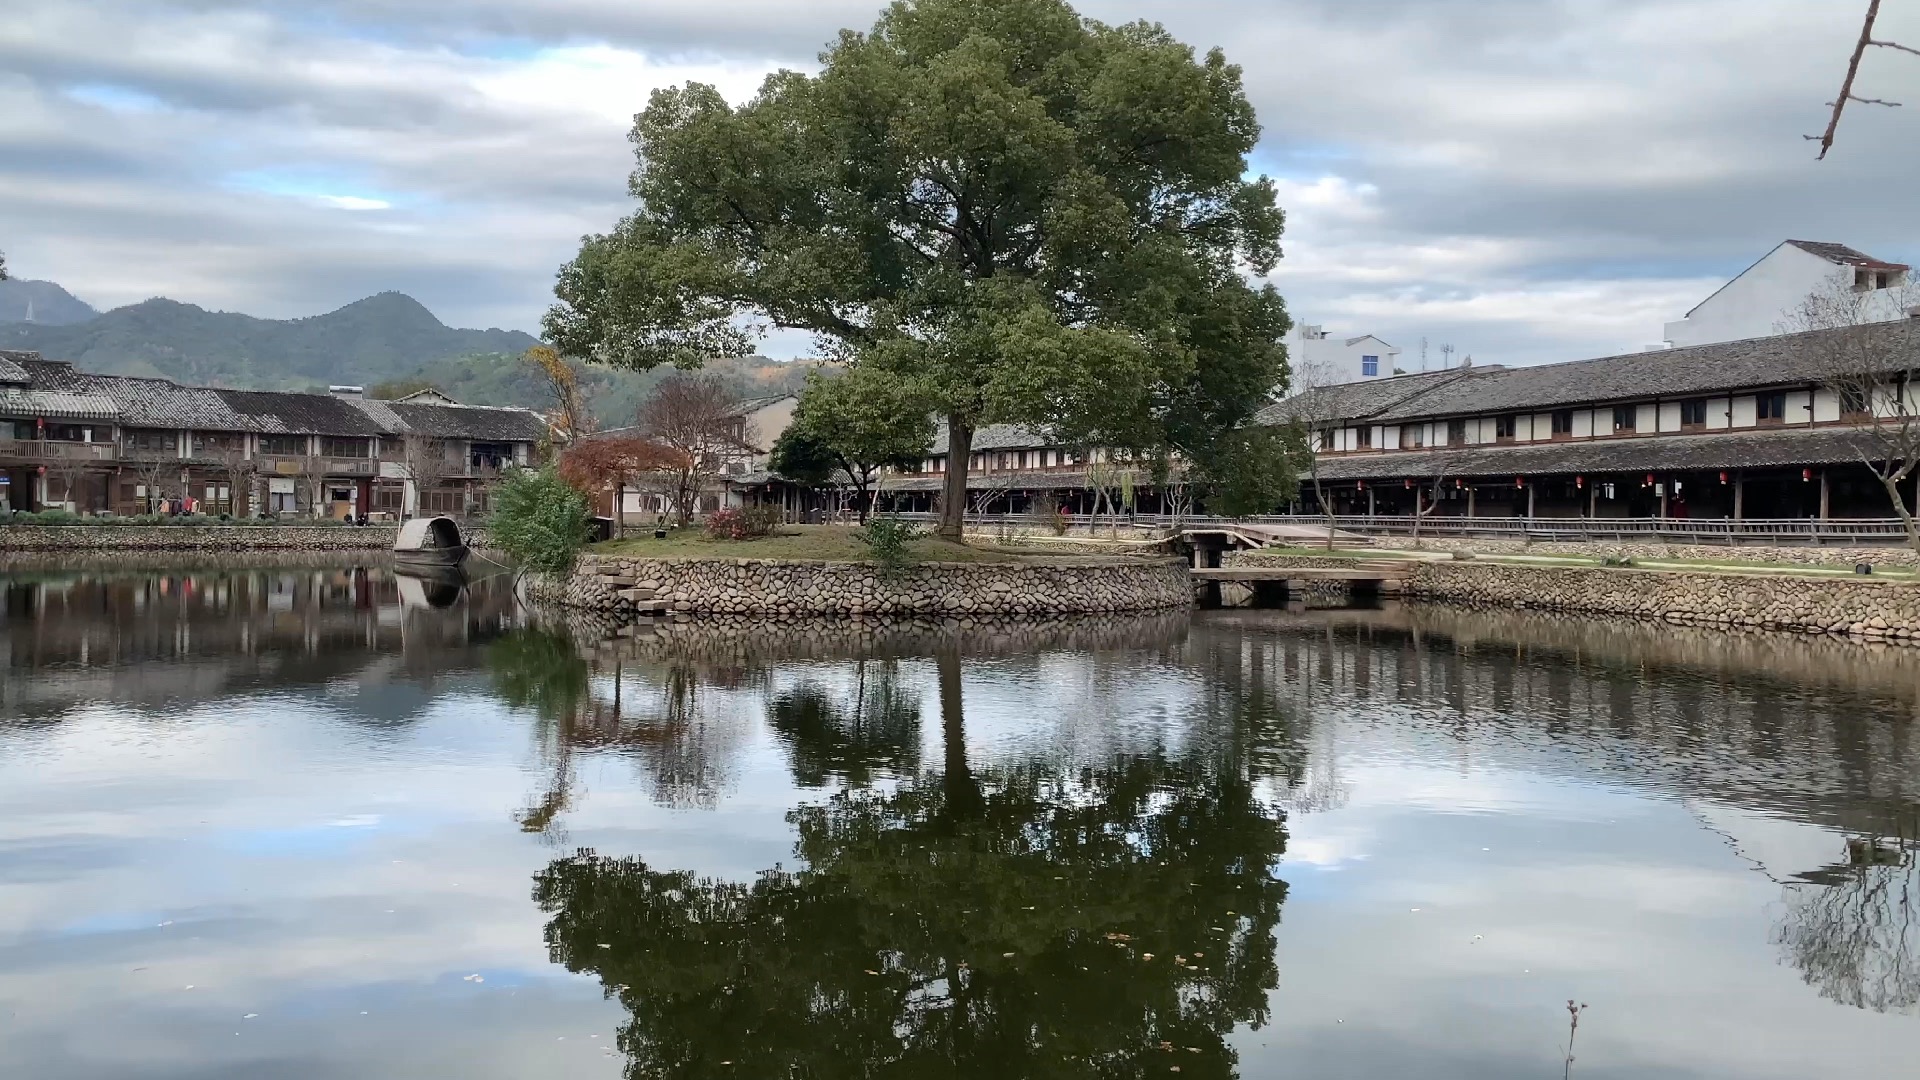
(434, 541)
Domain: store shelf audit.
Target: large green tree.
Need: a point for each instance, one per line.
(1037, 217)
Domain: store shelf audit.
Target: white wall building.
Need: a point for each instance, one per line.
(1320, 359)
(1765, 298)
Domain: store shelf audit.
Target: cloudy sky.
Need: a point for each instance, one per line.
(1529, 180)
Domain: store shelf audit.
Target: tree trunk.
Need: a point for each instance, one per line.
(962, 790)
(1320, 493)
(953, 506)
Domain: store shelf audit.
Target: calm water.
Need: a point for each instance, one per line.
(323, 823)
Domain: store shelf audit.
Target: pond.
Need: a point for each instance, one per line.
(323, 821)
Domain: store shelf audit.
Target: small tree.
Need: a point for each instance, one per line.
(862, 422)
(154, 476)
(1872, 368)
(313, 479)
(240, 470)
(696, 417)
(72, 474)
(1313, 418)
(539, 519)
(562, 384)
(596, 463)
(426, 462)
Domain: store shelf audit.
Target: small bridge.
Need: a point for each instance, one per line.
(1208, 541)
(1274, 585)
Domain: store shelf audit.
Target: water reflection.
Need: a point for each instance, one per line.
(1006, 921)
(320, 794)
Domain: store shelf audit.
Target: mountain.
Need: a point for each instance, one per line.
(41, 302)
(381, 337)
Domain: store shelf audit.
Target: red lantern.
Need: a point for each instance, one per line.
(1805, 475)
(1579, 482)
(1519, 481)
(1409, 485)
(1723, 477)
(1363, 485)
(1649, 479)
(1457, 485)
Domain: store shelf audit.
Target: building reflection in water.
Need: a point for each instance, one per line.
(146, 639)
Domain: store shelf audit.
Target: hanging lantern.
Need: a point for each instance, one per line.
(1457, 485)
(1409, 485)
(1649, 479)
(1579, 482)
(1519, 481)
(1723, 476)
(1806, 475)
(1363, 485)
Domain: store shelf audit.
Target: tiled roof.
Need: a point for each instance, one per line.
(10, 369)
(995, 437)
(159, 403)
(280, 413)
(1844, 255)
(1356, 400)
(1717, 450)
(1782, 360)
(61, 404)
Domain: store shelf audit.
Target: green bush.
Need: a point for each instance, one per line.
(889, 541)
(539, 519)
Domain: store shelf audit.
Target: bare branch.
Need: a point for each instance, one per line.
(1895, 45)
(1846, 94)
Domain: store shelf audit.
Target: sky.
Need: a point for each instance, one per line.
(1527, 180)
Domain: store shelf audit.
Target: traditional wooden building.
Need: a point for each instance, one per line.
(113, 444)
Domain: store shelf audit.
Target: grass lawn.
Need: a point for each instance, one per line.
(822, 543)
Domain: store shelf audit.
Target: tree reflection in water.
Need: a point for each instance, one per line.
(878, 735)
(1851, 928)
(1020, 920)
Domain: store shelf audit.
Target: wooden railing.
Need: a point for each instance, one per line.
(55, 450)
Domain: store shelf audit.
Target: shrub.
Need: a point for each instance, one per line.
(1616, 560)
(888, 541)
(1053, 517)
(747, 523)
(539, 519)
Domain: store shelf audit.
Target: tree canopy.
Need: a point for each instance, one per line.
(1035, 217)
(858, 423)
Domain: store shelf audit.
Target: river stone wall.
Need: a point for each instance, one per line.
(89, 538)
(781, 587)
(1795, 555)
(1862, 608)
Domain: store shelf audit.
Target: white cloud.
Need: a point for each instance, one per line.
(353, 202)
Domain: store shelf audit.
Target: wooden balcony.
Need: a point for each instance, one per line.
(54, 450)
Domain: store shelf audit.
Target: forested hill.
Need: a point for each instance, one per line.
(23, 300)
(378, 338)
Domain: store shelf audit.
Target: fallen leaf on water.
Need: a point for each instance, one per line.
(1198, 955)
(1146, 956)
(249, 1016)
(604, 945)
(870, 971)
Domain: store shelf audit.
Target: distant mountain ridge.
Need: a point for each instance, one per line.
(41, 302)
(381, 337)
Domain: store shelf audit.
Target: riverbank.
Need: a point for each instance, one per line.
(1862, 607)
(94, 538)
(1006, 585)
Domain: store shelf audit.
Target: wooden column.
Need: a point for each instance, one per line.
(1469, 500)
(1739, 495)
(1593, 500)
(1826, 495)
(1665, 491)
(1530, 494)
(1371, 502)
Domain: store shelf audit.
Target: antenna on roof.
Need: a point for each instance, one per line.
(1423, 354)
(1446, 355)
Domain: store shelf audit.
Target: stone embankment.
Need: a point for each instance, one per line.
(771, 586)
(1856, 607)
(1797, 555)
(92, 538)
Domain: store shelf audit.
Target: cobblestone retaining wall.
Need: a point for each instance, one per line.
(87, 538)
(768, 586)
(1800, 555)
(1887, 610)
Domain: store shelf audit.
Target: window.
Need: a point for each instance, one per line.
(1563, 424)
(1363, 438)
(1853, 402)
(1456, 432)
(1771, 408)
(1413, 436)
(285, 445)
(210, 443)
(333, 446)
(1693, 413)
(1326, 440)
(65, 433)
(1503, 429)
(1625, 418)
(389, 499)
(1369, 365)
(162, 441)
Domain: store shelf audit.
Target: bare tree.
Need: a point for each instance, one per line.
(1872, 367)
(696, 416)
(1439, 464)
(72, 474)
(426, 461)
(240, 470)
(1846, 94)
(1312, 410)
(313, 478)
(155, 475)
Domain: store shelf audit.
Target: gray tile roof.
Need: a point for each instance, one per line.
(24, 403)
(160, 403)
(1844, 255)
(1782, 360)
(995, 437)
(1717, 450)
(10, 369)
(1356, 400)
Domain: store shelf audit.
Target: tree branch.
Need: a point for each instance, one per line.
(1846, 94)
